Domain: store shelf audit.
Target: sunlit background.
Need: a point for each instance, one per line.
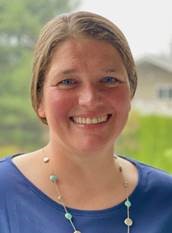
(146, 23)
(147, 26)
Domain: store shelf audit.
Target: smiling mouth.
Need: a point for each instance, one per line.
(91, 120)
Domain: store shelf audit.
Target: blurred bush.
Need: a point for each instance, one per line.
(148, 138)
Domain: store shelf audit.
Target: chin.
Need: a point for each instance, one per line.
(93, 146)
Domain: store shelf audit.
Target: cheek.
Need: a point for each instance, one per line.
(120, 99)
(58, 105)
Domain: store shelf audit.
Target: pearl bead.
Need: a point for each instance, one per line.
(128, 221)
(46, 159)
(59, 197)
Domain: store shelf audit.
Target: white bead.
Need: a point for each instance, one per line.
(77, 232)
(128, 221)
(59, 197)
(46, 159)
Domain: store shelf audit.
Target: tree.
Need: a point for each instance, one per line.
(21, 21)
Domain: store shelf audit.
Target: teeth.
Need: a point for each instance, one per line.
(88, 121)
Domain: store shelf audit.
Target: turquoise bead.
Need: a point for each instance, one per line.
(53, 178)
(68, 216)
(127, 203)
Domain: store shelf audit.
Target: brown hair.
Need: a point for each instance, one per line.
(75, 24)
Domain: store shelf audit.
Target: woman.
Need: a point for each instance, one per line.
(83, 81)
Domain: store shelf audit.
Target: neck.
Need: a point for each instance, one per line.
(88, 167)
(97, 179)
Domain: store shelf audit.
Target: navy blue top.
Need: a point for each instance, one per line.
(25, 209)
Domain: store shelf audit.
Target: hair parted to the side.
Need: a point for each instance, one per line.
(63, 27)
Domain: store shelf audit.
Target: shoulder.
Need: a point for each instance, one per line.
(8, 175)
(154, 172)
(4, 167)
(154, 193)
(154, 179)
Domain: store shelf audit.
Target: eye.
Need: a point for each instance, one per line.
(110, 80)
(67, 83)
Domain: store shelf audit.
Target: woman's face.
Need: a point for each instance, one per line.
(86, 95)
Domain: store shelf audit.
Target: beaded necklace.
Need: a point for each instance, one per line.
(68, 216)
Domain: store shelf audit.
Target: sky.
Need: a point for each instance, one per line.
(147, 24)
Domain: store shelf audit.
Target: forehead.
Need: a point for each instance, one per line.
(85, 54)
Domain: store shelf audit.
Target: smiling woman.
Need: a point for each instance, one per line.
(83, 81)
(86, 95)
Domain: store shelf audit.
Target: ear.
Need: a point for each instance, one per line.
(41, 111)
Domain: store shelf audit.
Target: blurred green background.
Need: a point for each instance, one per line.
(146, 137)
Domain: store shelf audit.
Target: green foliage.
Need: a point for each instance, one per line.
(148, 139)
(18, 125)
(21, 22)
(22, 19)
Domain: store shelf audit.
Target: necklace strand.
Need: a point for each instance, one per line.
(55, 180)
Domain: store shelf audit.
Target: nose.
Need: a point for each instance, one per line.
(90, 95)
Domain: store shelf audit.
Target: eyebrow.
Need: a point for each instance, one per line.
(69, 71)
(72, 71)
(109, 70)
